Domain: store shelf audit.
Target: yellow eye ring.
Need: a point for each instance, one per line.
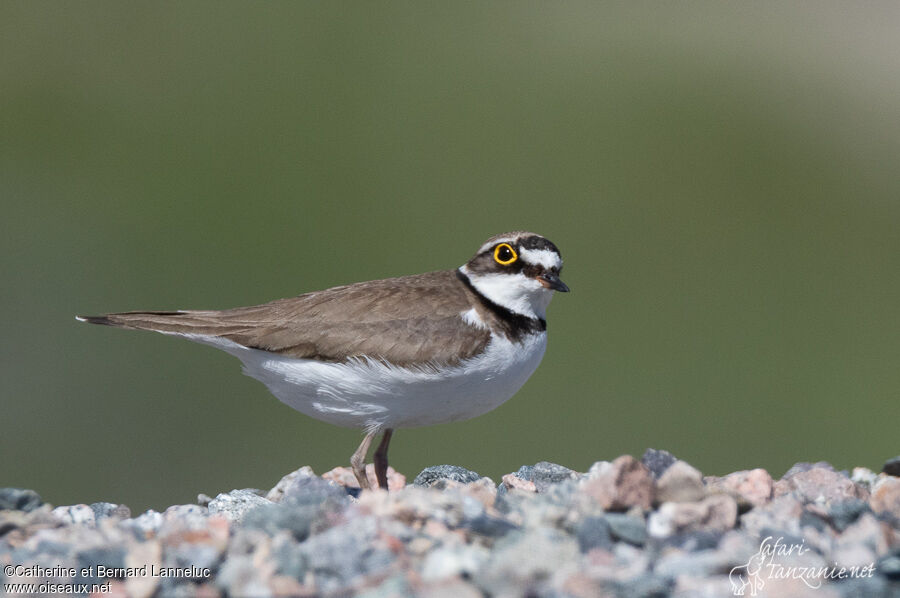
(504, 254)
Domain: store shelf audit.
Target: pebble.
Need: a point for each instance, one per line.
(295, 518)
(700, 563)
(240, 576)
(454, 559)
(19, 499)
(680, 483)
(278, 490)
(512, 481)
(75, 515)
(889, 564)
(818, 483)
(885, 498)
(806, 466)
(146, 524)
(843, 514)
(91, 558)
(864, 587)
(620, 485)
(490, 526)
(645, 586)
(658, 461)
(714, 513)
(339, 557)
(525, 561)
(432, 475)
(594, 532)
(695, 541)
(545, 474)
(627, 528)
(312, 490)
(892, 466)
(649, 528)
(235, 504)
(102, 510)
(864, 476)
(752, 488)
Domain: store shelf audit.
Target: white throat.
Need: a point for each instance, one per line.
(516, 292)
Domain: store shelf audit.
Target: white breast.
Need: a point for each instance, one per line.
(365, 393)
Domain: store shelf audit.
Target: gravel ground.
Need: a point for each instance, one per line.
(654, 527)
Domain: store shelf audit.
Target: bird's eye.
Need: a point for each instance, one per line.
(504, 254)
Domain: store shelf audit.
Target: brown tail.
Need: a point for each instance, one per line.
(184, 322)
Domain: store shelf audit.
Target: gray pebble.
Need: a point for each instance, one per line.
(657, 461)
(290, 558)
(545, 474)
(526, 472)
(19, 499)
(235, 504)
(843, 514)
(305, 501)
(54, 549)
(309, 490)
(805, 466)
(240, 576)
(487, 525)
(593, 532)
(188, 513)
(146, 524)
(103, 510)
(431, 475)
(188, 554)
(521, 561)
(342, 555)
(696, 564)
(273, 518)
(695, 541)
(627, 528)
(892, 466)
(106, 556)
(813, 520)
(75, 514)
(889, 565)
(867, 587)
(507, 503)
(277, 492)
(645, 586)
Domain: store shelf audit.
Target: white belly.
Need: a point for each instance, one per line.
(369, 394)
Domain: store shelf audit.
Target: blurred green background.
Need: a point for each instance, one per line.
(723, 180)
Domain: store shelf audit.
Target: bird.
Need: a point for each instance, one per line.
(382, 355)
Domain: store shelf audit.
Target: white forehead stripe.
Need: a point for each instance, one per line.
(487, 246)
(541, 257)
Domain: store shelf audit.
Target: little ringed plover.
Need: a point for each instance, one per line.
(396, 353)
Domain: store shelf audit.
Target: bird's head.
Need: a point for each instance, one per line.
(518, 271)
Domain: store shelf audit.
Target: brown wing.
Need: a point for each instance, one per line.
(406, 320)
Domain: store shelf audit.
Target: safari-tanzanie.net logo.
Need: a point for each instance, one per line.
(771, 562)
